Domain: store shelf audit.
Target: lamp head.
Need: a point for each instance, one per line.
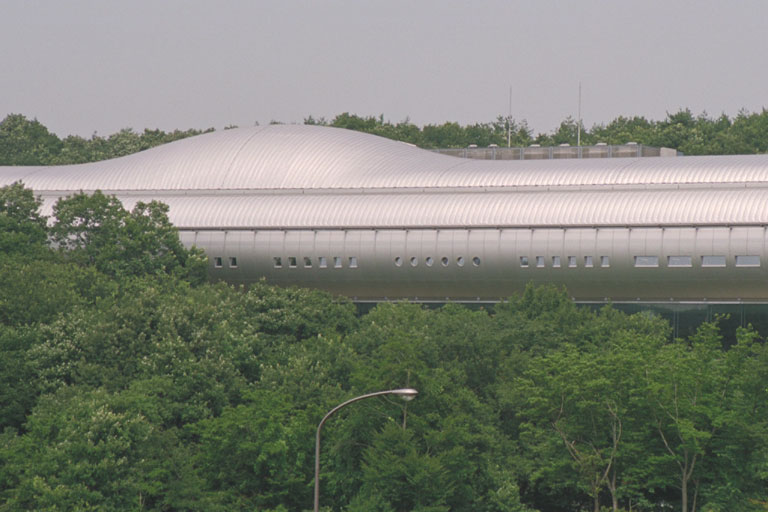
(406, 394)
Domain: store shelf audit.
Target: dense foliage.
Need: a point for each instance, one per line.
(28, 142)
(693, 135)
(127, 383)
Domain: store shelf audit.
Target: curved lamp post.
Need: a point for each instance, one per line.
(406, 394)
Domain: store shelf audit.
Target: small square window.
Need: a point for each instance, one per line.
(646, 261)
(322, 262)
(232, 262)
(605, 261)
(524, 261)
(336, 262)
(713, 261)
(292, 262)
(277, 262)
(540, 261)
(353, 262)
(556, 261)
(588, 261)
(679, 261)
(217, 263)
(747, 261)
(571, 261)
(307, 262)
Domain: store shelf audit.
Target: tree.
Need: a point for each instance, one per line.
(25, 142)
(257, 455)
(452, 433)
(579, 401)
(79, 452)
(95, 229)
(23, 229)
(689, 393)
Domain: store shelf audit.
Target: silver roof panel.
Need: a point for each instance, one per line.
(310, 176)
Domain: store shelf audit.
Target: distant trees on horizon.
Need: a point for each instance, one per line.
(29, 142)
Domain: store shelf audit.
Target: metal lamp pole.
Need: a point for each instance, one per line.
(405, 394)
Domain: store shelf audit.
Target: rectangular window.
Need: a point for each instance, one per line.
(679, 261)
(307, 262)
(647, 261)
(322, 262)
(556, 261)
(571, 261)
(524, 261)
(232, 262)
(353, 262)
(747, 261)
(713, 261)
(277, 262)
(540, 261)
(292, 262)
(217, 262)
(336, 262)
(588, 261)
(605, 261)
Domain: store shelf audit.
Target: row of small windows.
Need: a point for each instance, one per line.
(572, 261)
(540, 261)
(646, 261)
(706, 261)
(322, 262)
(430, 261)
(218, 262)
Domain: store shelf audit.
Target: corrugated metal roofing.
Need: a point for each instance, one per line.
(516, 209)
(312, 157)
(309, 176)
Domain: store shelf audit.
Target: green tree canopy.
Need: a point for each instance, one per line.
(97, 230)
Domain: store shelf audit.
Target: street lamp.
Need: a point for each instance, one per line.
(406, 394)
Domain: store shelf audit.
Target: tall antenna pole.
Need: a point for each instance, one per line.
(578, 132)
(509, 120)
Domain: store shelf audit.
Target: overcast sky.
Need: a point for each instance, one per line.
(85, 66)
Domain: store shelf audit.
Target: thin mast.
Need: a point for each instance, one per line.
(578, 132)
(509, 120)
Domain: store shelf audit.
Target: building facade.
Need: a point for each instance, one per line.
(375, 219)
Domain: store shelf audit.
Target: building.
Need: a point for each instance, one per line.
(376, 219)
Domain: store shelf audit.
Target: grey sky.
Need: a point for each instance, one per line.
(81, 66)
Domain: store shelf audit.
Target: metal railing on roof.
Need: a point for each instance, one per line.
(535, 152)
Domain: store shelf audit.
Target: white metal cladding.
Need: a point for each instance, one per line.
(576, 208)
(499, 272)
(300, 157)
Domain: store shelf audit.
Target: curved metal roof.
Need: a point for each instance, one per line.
(309, 176)
(313, 157)
(502, 209)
